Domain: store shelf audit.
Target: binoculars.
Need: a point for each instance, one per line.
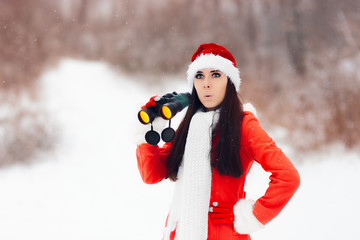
(166, 107)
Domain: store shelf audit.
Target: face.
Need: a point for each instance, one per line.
(210, 85)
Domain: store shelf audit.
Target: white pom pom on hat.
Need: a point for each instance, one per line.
(211, 55)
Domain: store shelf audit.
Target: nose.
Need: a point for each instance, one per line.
(207, 82)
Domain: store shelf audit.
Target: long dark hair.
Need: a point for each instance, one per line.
(225, 153)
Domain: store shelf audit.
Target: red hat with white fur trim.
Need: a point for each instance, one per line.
(214, 56)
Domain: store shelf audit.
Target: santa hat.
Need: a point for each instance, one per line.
(214, 56)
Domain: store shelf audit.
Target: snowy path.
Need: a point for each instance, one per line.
(89, 188)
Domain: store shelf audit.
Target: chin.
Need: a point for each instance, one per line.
(211, 107)
(208, 105)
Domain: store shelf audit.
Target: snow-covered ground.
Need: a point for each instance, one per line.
(90, 188)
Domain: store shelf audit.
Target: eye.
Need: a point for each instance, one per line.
(216, 74)
(199, 76)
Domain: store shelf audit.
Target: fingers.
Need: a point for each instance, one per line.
(222, 217)
(219, 210)
(221, 213)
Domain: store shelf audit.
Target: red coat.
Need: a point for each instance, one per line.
(257, 146)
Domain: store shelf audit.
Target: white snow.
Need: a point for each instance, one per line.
(350, 67)
(90, 188)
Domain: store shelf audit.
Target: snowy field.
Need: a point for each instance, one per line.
(90, 188)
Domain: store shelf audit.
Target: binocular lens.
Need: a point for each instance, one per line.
(166, 112)
(167, 107)
(144, 118)
(152, 137)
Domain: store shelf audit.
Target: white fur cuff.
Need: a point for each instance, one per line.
(245, 221)
(250, 108)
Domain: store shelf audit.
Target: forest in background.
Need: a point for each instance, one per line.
(299, 59)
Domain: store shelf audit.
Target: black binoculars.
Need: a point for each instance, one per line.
(167, 107)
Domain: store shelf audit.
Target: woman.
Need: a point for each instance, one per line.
(214, 148)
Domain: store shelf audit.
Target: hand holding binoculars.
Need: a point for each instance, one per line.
(167, 107)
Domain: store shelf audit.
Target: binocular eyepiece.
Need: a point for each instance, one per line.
(167, 107)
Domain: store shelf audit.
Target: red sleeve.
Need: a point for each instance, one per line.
(284, 179)
(152, 162)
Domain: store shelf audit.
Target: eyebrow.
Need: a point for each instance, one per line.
(212, 71)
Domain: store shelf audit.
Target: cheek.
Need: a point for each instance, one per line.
(197, 85)
(198, 90)
(222, 95)
(223, 90)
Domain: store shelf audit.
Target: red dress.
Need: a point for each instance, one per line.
(255, 145)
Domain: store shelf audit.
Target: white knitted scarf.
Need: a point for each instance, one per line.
(190, 205)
